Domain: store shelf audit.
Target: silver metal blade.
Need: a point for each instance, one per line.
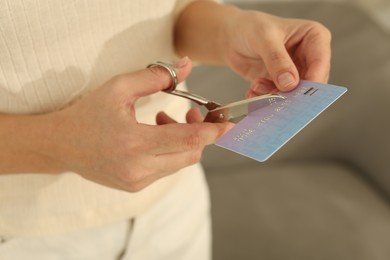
(234, 112)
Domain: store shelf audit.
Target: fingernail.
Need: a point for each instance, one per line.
(285, 79)
(181, 63)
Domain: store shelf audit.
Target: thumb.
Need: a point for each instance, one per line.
(156, 78)
(280, 66)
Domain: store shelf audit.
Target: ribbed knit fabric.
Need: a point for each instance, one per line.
(53, 51)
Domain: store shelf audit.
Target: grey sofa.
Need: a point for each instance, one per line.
(324, 195)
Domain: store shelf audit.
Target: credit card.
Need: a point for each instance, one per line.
(264, 131)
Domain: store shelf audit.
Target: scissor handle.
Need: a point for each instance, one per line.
(171, 71)
(210, 105)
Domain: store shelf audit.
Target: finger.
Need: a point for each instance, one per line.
(318, 56)
(155, 167)
(194, 116)
(172, 162)
(313, 51)
(262, 86)
(279, 64)
(317, 71)
(162, 118)
(250, 94)
(150, 80)
(249, 68)
(171, 138)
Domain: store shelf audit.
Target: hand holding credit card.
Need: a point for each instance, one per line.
(266, 129)
(269, 121)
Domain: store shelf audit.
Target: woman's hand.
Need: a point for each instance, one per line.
(99, 137)
(269, 51)
(105, 143)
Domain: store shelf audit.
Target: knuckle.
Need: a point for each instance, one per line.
(321, 29)
(277, 56)
(327, 33)
(193, 142)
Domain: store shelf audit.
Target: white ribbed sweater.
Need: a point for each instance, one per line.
(52, 51)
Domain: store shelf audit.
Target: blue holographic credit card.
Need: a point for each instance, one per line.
(264, 131)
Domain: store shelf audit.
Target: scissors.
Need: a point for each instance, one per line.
(218, 113)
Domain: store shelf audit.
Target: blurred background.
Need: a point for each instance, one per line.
(325, 194)
(377, 9)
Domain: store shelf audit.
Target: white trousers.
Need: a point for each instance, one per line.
(177, 227)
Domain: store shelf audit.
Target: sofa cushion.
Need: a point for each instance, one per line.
(297, 210)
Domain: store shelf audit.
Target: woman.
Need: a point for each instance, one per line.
(85, 173)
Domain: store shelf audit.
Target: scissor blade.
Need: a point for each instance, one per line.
(234, 112)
